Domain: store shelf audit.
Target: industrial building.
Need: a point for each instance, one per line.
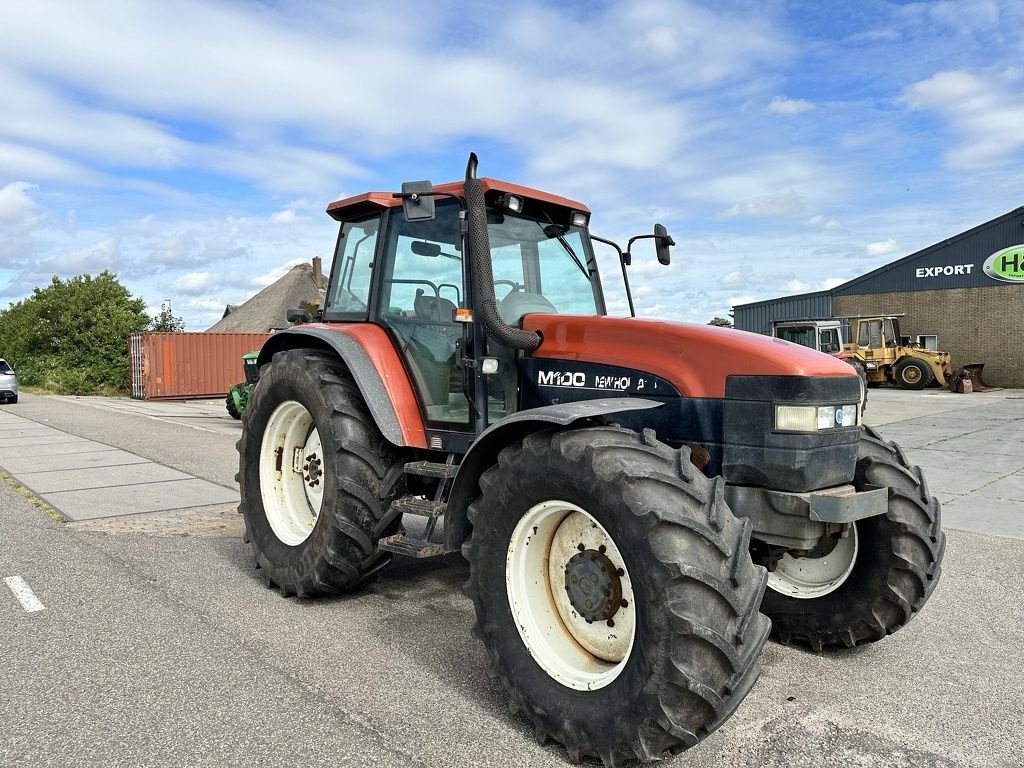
(963, 295)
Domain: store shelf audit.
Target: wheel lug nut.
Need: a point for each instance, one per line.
(620, 572)
(580, 547)
(622, 604)
(611, 622)
(602, 549)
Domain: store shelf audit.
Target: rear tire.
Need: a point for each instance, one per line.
(316, 478)
(912, 374)
(683, 651)
(896, 566)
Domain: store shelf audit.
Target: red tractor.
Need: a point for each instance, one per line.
(640, 502)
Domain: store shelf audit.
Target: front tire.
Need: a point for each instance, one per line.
(876, 579)
(231, 405)
(316, 478)
(614, 592)
(912, 374)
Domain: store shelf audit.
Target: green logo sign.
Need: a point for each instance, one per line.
(1006, 265)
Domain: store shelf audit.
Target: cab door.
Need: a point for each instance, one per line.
(421, 285)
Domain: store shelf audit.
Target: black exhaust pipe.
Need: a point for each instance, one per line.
(483, 274)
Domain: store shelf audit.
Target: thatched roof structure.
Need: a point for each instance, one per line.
(266, 310)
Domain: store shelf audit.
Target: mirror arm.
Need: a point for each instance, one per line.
(623, 261)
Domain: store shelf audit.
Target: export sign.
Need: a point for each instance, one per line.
(949, 269)
(1006, 265)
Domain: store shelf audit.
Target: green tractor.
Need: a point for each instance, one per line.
(238, 396)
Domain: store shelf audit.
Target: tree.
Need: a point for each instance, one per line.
(166, 321)
(71, 337)
(722, 322)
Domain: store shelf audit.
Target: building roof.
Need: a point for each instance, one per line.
(891, 271)
(266, 310)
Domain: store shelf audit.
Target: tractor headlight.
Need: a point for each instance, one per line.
(814, 418)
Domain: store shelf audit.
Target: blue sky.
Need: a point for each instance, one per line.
(788, 146)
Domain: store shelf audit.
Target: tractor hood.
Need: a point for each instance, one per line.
(697, 359)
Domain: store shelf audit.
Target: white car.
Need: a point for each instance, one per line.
(8, 383)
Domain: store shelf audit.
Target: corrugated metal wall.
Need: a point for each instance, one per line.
(182, 365)
(758, 317)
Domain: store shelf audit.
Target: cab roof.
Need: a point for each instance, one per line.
(368, 201)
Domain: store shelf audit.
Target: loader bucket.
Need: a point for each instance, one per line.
(972, 373)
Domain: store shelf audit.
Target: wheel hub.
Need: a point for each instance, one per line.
(593, 585)
(312, 470)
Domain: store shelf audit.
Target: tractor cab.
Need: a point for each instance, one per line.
(413, 276)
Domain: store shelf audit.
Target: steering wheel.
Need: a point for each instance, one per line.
(515, 286)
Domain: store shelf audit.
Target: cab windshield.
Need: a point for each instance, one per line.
(541, 267)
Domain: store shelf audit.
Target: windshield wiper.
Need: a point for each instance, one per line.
(554, 230)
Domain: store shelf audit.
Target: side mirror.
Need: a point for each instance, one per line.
(662, 242)
(297, 316)
(417, 200)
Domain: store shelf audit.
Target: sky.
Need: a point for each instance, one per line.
(192, 147)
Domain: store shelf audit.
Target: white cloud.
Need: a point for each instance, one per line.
(881, 247)
(823, 222)
(984, 113)
(194, 282)
(104, 254)
(18, 211)
(782, 105)
(784, 203)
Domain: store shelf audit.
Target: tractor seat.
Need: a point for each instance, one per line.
(439, 310)
(513, 307)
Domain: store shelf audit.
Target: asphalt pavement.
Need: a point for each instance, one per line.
(152, 640)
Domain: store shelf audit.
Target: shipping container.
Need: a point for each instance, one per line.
(185, 365)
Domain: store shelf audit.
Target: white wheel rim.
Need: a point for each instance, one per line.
(291, 473)
(810, 577)
(578, 654)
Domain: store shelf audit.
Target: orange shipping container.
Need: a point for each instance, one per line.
(183, 365)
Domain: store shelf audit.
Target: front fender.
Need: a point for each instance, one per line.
(484, 451)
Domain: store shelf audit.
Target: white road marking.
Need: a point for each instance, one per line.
(24, 593)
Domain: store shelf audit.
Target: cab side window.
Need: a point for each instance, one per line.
(353, 267)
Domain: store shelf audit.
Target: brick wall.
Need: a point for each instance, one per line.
(975, 325)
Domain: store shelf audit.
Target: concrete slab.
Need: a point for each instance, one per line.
(955, 484)
(25, 427)
(99, 477)
(85, 480)
(1010, 488)
(55, 449)
(999, 517)
(146, 497)
(982, 445)
(103, 456)
(964, 463)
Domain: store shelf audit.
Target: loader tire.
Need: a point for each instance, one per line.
(316, 478)
(896, 565)
(912, 374)
(668, 644)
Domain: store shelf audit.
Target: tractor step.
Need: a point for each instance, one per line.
(414, 505)
(431, 469)
(401, 545)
